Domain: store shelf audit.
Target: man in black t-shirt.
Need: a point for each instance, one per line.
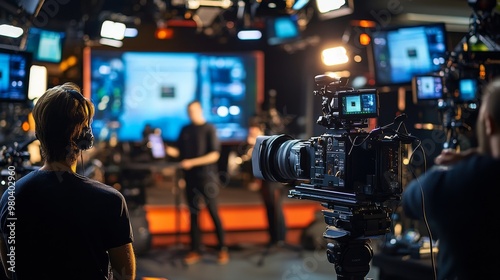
(55, 223)
(198, 149)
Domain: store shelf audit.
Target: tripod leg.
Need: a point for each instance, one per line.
(260, 262)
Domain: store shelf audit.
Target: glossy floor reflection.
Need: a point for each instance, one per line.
(247, 262)
(245, 238)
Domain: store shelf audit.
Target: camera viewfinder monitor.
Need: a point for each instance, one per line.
(359, 104)
(468, 90)
(399, 53)
(427, 88)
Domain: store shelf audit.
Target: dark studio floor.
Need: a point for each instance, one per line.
(244, 265)
(247, 244)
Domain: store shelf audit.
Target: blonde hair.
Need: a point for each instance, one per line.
(59, 119)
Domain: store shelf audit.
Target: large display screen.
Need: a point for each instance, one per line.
(400, 53)
(133, 89)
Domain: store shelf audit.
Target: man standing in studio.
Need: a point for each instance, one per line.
(198, 150)
(458, 200)
(270, 191)
(54, 222)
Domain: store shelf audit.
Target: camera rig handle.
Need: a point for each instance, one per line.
(328, 85)
(327, 80)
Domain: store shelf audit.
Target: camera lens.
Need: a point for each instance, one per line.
(278, 158)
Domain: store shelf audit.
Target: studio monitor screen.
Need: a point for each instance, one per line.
(402, 52)
(46, 45)
(14, 75)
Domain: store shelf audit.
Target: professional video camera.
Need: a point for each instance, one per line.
(14, 162)
(354, 173)
(456, 89)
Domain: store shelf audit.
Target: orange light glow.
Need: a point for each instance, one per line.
(364, 39)
(26, 126)
(164, 33)
(367, 23)
(363, 23)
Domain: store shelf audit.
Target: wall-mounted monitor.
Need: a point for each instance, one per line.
(400, 53)
(282, 29)
(131, 89)
(46, 45)
(14, 75)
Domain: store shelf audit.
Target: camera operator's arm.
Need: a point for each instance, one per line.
(448, 156)
(424, 187)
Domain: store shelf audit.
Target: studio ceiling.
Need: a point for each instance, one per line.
(79, 18)
(69, 12)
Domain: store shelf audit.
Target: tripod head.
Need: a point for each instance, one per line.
(351, 257)
(349, 229)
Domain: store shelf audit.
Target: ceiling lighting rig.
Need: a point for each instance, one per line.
(242, 19)
(115, 27)
(15, 20)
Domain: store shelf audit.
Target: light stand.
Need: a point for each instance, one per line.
(176, 256)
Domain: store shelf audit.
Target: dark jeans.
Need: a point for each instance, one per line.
(208, 190)
(272, 196)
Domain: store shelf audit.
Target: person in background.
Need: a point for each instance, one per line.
(458, 200)
(146, 131)
(198, 150)
(270, 191)
(57, 223)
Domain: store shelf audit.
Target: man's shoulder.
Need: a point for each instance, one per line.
(478, 162)
(100, 186)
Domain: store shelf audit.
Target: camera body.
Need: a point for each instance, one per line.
(355, 174)
(338, 167)
(352, 172)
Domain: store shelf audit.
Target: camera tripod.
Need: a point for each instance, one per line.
(451, 128)
(453, 125)
(348, 229)
(350, 256)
